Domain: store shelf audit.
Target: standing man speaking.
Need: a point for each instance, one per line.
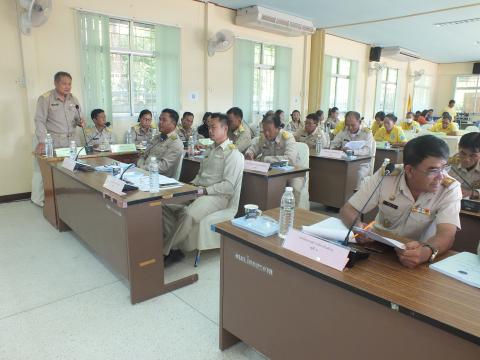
(58, 114)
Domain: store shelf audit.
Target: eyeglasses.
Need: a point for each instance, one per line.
(436, 172)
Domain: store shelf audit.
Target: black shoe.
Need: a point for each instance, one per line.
(173, 257)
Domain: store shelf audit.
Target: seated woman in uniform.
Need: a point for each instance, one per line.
(466, 165)
(390, 132)
(276, 144)
(409, 125)
(311, 133)
(378, 122)
(100, 134)
(446, 125)
(143, 131)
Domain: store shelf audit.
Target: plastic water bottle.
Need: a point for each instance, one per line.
(194, 137)
(318, 145)
(154, 177)
(387, 145)
(191, 147)
(129, 137)
(73, 150)
(287, 212)
(48, 146)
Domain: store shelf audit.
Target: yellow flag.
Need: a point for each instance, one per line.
(409, 103)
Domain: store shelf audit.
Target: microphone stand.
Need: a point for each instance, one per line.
(88, 148)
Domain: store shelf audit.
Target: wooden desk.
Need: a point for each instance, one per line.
(290, 307)
(468, 237)
(49, 207)
(394, 154)
(125, 231)
(265, 190)
(333, 181)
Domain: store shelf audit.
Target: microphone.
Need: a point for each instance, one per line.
(388, 170)
(88, 149)
(85, 147)
(128, 186)
(463, 179)
(107, 124)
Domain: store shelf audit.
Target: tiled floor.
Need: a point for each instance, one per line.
(57, 301)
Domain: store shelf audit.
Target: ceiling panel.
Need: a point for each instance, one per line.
(440, 44)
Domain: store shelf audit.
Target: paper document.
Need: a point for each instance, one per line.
(334, 154)
(384, 240)
(142, 181)
(464, 267)
(355, 145)
(331, 229)
(109, 167)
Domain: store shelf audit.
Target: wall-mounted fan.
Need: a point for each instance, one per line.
(221, 41)
(35, 13)
(417, 74)
(376, 67)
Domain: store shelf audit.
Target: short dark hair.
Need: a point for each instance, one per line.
(355, 114)
(294, 111)
(332, 110)
(95, 113)
(380, 114)
(319, 113)
(279, 111)
(314, 117)
(205, 117)
(419, 148)
(172, 113)
(235, 111)
(424, 113)
(58, 76)
(222, 118)
(391, 117)
(410, 113)
(143, 113)
(446, 115)
(272, 119)
(470, 141)
(187, 113)
(451, 102)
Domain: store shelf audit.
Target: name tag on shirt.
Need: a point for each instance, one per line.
(389, 204)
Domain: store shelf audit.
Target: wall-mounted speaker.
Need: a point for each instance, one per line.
(375, 53)
(476, 68)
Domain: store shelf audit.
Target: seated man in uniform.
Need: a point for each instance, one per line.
(100, 133)
(276, 144)
(166, 146)
(390, 132)
(311, 132)
(418, 201)
(220, 170)
(467, 165)
(238, 132)
(355, 132)
(185, 129)
(445, 125)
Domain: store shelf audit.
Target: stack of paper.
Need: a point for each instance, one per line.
(384, 240)
(142, 181)
(464, 267)
(331, 229)
(355, 145)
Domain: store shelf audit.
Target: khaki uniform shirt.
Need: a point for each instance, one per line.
(311, 139)
(58, 118)
(282, 148)
(97, 137)
(183, 133)
(139, 134)
(293, 127)
(241, 138)
(400, 214)
(168, 151)
(472, 176)
(364, 134)
(220, 169)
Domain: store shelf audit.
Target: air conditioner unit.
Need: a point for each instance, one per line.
(397, 53)
(261, 18)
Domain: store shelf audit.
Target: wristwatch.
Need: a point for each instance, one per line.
(434, 252)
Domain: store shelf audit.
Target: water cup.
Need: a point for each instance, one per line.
(349, 154)
(252, 211)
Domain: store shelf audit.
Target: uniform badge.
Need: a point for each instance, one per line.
(392, 198)
(420, 210)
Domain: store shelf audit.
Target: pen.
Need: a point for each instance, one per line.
(366, 227)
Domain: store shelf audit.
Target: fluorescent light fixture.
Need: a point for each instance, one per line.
(457, 22)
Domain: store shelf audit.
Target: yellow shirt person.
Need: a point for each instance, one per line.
(339, 128)
(390, 132)
(448, 127)
(410, 126)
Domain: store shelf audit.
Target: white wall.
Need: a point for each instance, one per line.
(54, 46)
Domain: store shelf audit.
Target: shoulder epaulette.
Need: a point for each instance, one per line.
(241, 128)
(285, 135)
(232, 146)
(447, 181)
(454, 160)
(173, 137)
(47, 94)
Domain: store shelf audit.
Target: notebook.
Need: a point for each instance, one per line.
(464, 267)
(262, 225)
